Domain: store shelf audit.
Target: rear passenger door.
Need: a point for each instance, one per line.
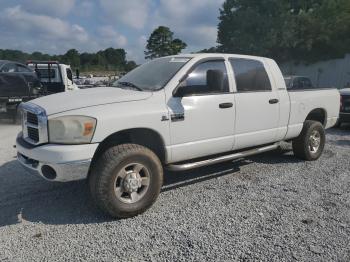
(257, 104)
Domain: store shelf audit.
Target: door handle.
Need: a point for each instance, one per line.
(273, 101)
(177, 117)
(226, 105)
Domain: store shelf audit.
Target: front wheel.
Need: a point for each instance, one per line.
(310, 143)
(126, 180)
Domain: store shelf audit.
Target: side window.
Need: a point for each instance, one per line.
(45, 73)
(9, 68)
(23, 69)
(200, 80)
(250, 75)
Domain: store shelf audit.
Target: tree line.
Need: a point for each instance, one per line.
(286, 30)
(110, 59)
(298, 30)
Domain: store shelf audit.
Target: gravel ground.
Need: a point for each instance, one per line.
(270, 207)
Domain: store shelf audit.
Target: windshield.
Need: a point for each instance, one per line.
(153, 75)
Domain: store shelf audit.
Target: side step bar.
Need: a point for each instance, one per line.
(212, 161)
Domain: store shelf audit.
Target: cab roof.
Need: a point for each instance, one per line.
(206, 55)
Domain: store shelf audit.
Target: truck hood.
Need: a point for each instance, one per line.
(61, 102)
(345, 91)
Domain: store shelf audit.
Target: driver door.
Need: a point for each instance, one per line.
(202, 121)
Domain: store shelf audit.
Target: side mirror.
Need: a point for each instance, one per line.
(215, 80)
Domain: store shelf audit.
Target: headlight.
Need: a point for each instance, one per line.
(71, 129)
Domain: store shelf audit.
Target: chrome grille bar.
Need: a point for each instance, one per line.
(34, 124)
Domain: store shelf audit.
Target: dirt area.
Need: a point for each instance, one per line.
(271, 207)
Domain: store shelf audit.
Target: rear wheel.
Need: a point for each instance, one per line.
(310, 143)
(126, 180)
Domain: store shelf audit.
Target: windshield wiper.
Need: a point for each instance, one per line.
(132, 85)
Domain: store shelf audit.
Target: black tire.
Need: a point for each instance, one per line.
(301, 145)
(105, 172)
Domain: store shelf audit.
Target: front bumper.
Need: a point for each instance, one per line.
(60, 163)
(344, 117)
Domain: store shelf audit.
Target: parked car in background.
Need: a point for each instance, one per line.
(298, 82)
(178, 112)
(18, 83)
(344, 115)
(54, 76)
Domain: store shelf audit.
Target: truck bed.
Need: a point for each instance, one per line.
(302, 102)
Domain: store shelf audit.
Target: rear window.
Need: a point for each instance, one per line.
(45, 73)
(250, 75)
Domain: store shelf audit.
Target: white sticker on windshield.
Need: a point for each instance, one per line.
(179, 60)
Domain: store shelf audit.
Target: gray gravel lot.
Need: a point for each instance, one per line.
(270, 207)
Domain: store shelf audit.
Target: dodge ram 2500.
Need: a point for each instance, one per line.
(178, 112)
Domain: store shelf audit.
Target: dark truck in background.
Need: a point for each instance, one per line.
(302, 83)
(344, 116)
(21, 83)
(54, 76)
(294, 82)
(18, 83)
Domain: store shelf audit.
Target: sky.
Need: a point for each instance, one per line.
(54, 26)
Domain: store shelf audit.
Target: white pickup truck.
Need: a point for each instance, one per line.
(54, 76)
(177, 112)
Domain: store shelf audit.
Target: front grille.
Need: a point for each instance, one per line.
(34, 123)
(346, 104)
(32, 118)
(33, 134)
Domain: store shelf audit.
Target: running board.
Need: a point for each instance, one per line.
(212, 161)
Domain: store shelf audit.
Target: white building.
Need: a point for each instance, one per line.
(335, 73)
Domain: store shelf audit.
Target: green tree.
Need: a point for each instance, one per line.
(40, 56)
(130, 65)
(109, 59)
(209, 50)
(321, 29)
(72, 57)
(300, 30)
(254, 27)
(161, 43)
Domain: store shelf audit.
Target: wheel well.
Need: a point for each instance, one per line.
(141, 136)
(319, 115)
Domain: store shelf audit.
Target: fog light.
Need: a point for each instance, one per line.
(48, 172)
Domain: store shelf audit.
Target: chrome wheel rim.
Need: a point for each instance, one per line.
(314, 141)
(131, 183)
